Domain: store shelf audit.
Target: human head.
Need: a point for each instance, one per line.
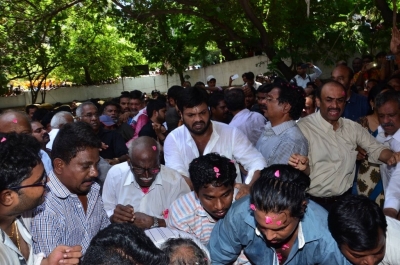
(279, 198)
(284, 102)
(249, 78)
(20, 165)
(144, 160)
(184, 251)
(211, 81)
(394, 82)
(136, 102)
(124, 101)
(358, 226)
(370, 84)
(262, 95)
(234, 99)
(194, 109)
(30, 109)
(15, 121)
(250, 96)
(75, 156)
(343, 74)
(301, 68)
(331, 99)
(387, 105)
(309, 107)
(186, 84)
(155, 93)
(213, 177)
(156, 110)
(357, 64)
(199, 85)
(123, 244)
(111, 109)
(173, 94)
(367, 58)
(310, 88)
(87, 112)
(40, 133)
(61, 118)
(219, 111)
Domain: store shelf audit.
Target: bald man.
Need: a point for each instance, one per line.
(19, 122)
(140, 190)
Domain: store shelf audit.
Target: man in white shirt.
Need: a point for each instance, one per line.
(58, 120)
(200, 136)
(363, 233)
(249, 122)
(302, 78)
(141, 190)
(388, 108)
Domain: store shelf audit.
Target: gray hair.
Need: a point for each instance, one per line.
(386, 96)
(79, 109)
(59, 119)
(183, 251)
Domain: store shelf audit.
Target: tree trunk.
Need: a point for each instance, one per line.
(386, 12)
(88, 78)
(229, 56)
(181, 76)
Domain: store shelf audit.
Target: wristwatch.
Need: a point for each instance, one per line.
(155, 222)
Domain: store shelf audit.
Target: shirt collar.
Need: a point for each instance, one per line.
(381, 133)
(201, 212)
(131, 179)
(326, 126)
(278, 129)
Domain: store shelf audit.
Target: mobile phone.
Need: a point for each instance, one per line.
(390, 57)
(235, 76)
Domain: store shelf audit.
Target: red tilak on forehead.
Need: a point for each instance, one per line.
(3, 139)
(15, 121)
(154, 147)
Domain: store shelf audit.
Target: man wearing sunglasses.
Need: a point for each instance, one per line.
(22, 188)
(141, 190)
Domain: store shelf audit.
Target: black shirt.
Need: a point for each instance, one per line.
(115, 142)
(147, 130)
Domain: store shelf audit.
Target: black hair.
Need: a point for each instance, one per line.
(314, 86)
(191, 97)
(355, 221)
(27, 108)
(262, 88)
(154, 105)
(319, 90)
(235, 99)
(136, 94)
(39, 114)
(202, 171)
(162, 98)
(124, 94)
(110, 103)
(73, 138)
(46, 120)
(19, 154)
(368, 56)
(215, 98)
(289, 93)
(199, 84)
(174, 92)
(380, 54)
(280, 188)
(123, 244)
(249, 76)
(386, 96)
(190, 253)
(299, 64)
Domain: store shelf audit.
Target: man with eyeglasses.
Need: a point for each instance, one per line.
(22, 188)
(73, 212)
(113, 148)
(141, 190)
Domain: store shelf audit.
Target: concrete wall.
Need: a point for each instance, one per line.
(222, 72)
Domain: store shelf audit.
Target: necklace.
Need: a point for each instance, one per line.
(12, 230)
(15, 231)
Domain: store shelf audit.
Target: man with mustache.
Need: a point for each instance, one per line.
(201, 136)
(40, 133)
(73, 212)
(388, 108)
(332, 143)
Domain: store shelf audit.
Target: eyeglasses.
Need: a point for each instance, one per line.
(90, 115)
(271, 99)
(141, 170)
(41, 183)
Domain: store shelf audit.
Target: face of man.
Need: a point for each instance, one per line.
(260, 98)
(366, 61)
(273, 109)
(309, 89)
(197, 119)
(111, 111)
(357, 65)
(249, 99)
(10, 122)
(30, 197)
(332, 102)
(395, 83)
(91, 116)
(135, 105)
(216, 200)
(124, 103)
(279, 230)
(370, 85)
(389, 117)
(369, 257)
(31, 111)
(342, 75)
(80, 173)
(301, 71)
(145, 165)
(40, 133)
(160, 115)
(212, 83)
(309, 107)
(220, 112)
(171, 102)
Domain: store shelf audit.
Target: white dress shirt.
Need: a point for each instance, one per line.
(392, 254)
(180, 149)
(121, 187)
(302, 82)
(250, 123)
(390, 174)
(52, 134)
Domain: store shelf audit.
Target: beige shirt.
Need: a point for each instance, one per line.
(332, 155)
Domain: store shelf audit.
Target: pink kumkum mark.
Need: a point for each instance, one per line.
(253, 207)
(277, 174)
(154, 147)
(3, 139)
(278, 222)
(15, 121)
(268, 220)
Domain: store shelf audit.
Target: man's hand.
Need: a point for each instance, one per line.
(123, 214)
(394, 159)
(103, 146)
(299, 162)
(390, 212)
(362, 154)
(157, 128)
(63, 255)
(124, 117)
(244, 190)
(143, 220)
(310, 65)
(395, 41)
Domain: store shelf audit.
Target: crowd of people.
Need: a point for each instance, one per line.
(269, 172)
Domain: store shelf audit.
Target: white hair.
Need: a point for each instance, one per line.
(59, 119)
(79, 109)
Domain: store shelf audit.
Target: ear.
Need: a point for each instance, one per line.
(317, 102)
(58, 165)
(7, 197)
(304, 205)
(286, 108)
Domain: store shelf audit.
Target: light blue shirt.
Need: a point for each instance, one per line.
(237, 231)
(46, 160)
